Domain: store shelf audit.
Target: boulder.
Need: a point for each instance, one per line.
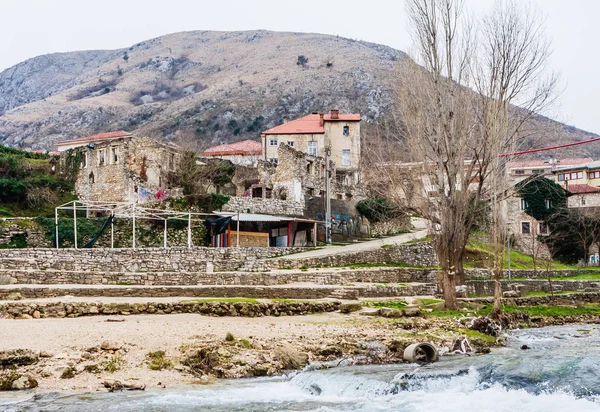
(390, 313)
(110, 345)
(411, 310)
(17, 357)
(511, 294)
(24, 382)
(350, 307)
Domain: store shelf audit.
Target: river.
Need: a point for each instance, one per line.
(561, 372)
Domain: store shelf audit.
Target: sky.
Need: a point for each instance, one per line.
(29, 28)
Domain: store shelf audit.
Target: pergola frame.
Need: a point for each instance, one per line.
(127, 210)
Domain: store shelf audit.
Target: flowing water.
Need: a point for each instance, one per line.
(561, 372)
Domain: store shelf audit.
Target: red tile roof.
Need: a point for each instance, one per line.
(310, 124)
(247, 147)
(98, 137)
(582, 188)
(546, 163)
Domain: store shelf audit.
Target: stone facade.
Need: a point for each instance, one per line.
(265, 206)
(524, 229)
(125, 169)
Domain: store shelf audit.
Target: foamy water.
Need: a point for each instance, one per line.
(560, 373)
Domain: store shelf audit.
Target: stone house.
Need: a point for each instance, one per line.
(315, 135)
(246, 153)
(121, 167)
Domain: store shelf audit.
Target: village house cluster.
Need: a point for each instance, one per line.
(284, 175)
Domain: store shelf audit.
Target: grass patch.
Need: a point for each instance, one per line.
(245, 343)
(479, 254)
(393, 304)
(68, 373)
(229, 337)
(427, 302)
(423, 239)
(551, 311)
(224, 300)
(112, 365)
(157, 361)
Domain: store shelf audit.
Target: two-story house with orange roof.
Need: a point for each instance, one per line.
(334, 134)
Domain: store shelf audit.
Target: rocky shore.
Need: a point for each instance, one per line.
(137, 351)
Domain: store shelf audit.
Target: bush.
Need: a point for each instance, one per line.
(11, 190)
(377, 209)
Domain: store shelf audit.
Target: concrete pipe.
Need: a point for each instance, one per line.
(421, 353)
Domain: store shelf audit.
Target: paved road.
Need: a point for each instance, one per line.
(419, 224)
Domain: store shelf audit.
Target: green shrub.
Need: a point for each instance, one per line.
(11, 190)
(377, 209)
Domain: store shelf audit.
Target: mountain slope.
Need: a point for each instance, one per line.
(210, 87)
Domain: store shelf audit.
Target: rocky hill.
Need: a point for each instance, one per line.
(209, 87)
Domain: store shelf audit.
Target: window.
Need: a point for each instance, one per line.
(543, 228)
(100, 157)
(171, 161)
(346, 131)
(561, 177)
(115, 155)
(290, 143)
(523, 204)
(520, 172)
(548, 203)
(345, 157)
(582, 201)
(579, 175)
(84, 161)
(312, 148)
(273, 160)
(273, 142)
(567, 176)
(526, 227)
(537, 172)
(594, 175)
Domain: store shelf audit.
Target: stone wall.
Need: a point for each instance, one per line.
(417, 254)
(392, 226)
(265, 206)
(213, 291)
(529, 273)
(486, 287)
(567, 299)
(182, 278)
(26, 229)
(154, 260)
(75, 309)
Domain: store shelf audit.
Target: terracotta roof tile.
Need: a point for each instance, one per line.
(582, 188)
(98, 137)
(310, 124)
(247, 147)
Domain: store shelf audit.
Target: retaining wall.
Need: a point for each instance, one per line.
(136, 260)
(486, 287)
(72, 310)
(337, 277)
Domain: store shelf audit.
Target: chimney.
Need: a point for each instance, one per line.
(321, 117)
(335, 114)
(285, 119)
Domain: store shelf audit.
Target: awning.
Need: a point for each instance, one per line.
(256, 217)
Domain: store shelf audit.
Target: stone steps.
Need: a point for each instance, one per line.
(324, 276)
(299, 291)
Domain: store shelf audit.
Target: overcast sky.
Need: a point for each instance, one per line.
(32, 27)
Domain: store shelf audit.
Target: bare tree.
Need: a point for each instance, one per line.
(457, 116)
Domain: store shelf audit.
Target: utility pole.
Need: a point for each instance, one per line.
(88, 189)
(327, 196)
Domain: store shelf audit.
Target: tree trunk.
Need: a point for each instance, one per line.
(449, 289)
(497, 294)
(460, 273)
